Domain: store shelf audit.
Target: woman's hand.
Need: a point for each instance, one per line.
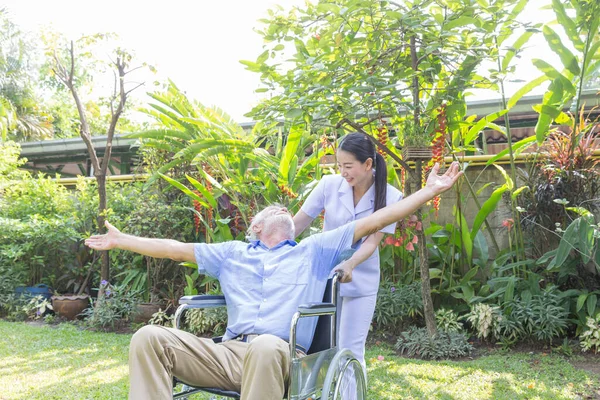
(440, 183)
(345, 268)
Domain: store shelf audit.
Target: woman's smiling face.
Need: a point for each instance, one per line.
(352, 170)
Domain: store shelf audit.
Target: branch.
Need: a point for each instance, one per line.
(67, 79)
(115, 114)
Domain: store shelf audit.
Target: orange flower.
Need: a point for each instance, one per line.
(383, 137)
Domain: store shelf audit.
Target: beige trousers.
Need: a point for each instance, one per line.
(258, 370)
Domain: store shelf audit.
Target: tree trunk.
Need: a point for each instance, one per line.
(105, 265)
(428, 313)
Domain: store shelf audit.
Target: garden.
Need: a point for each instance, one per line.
(488, 292)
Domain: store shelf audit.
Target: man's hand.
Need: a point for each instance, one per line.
(440, 183)
(104, 242)
(345, 268)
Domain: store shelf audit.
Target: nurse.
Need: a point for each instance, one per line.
(360, 189)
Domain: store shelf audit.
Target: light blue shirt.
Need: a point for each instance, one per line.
(334, 195)
(263, 287)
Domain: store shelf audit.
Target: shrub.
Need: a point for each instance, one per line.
(484, 319)
(417, 342)
(206, 321)
(542, 317)
(447, 321)
(397, 304)
(161, 318)
(37, 307)
(590, 338)
(118, 305)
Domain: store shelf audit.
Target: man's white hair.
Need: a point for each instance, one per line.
(274, 221)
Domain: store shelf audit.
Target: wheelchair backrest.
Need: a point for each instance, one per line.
(322, 337)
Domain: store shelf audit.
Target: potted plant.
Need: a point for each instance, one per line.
(71, 305)
(416, 143)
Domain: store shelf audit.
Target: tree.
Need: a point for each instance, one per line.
(21, 117)
(65, 70)
(358, 65)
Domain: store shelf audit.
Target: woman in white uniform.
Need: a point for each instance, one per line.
(360, 189)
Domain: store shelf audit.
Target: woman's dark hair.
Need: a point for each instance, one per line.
(363, 148)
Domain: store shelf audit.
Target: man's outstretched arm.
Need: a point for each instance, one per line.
(436, 184)
(157, 248)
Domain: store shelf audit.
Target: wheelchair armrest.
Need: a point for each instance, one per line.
(203, 301)
(199, 301)
(314, 309)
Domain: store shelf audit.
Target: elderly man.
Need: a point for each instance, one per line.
(264, 282)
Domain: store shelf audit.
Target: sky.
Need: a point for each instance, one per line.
(196, 43)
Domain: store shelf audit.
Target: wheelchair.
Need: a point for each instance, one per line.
(325, 373)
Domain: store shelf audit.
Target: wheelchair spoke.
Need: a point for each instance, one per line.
(345, 379)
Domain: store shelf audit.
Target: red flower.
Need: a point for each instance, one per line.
(508, 223)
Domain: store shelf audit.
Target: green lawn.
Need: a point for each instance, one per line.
(67, 363)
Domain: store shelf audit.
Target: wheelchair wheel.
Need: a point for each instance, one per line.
(345, 378)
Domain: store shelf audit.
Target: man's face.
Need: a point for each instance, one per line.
(278, 219)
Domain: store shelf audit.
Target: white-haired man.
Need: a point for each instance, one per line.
(264, 282)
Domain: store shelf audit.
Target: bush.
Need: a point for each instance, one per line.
(161, 318)
(590, 338)
(396, 305)
(416, 342)
(541, 317)
(210, 321)
(118, 305)
(447, 321)
(484, 320)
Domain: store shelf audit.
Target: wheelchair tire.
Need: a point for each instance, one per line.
(345, 379)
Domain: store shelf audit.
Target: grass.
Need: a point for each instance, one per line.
(64, 362)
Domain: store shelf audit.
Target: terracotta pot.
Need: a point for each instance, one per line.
(144, 311)
(70, 307)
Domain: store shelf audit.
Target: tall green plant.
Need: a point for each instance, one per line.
(246, 170)
(356, 64)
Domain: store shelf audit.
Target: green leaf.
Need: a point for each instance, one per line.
(181, 187)
(553, 74)
(591, 66)
(479, 125)
(509, 182)
(294, 113)
(567, 243)
(568, 24)
(205, 192)
(581, 301)
(510, 290)
(460, 21)
(517, 45)
(264, 56)
(292, 170)
(586, 240)
(591, 303)
(524, 90)
(517, 192)
(488, 207)
(289, 151)
(251, 65)
(556, 45)
(517, 148)
(466, 238)
(552, 96)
